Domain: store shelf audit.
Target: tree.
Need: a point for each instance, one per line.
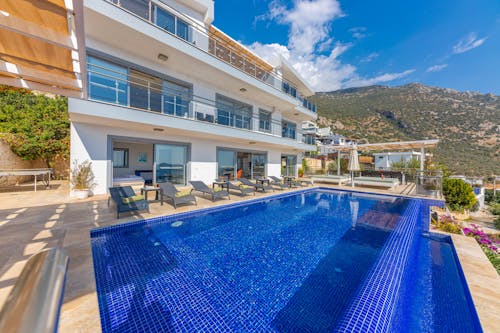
(458, 194)
(35, 126)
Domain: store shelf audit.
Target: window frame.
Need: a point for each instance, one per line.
(126, 158)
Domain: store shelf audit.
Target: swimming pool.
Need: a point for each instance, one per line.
(311, 261)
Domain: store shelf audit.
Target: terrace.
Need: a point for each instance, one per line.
(34, 222)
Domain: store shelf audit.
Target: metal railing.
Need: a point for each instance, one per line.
(175, 103)
(34, 303)
(199, 37)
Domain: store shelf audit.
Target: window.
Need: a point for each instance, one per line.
(182, 29)
(145, 91)
(176, 99)
(264, 121)
(288, 129)
(165, 20)
(172, 23)
(107, 81)
(233, 113)
(120, 158)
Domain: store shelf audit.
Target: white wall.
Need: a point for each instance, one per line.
(89, 142)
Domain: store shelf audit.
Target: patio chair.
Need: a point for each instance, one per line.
(126, 200)
(168, 190)
(275, 181)
(258, 186)
(244, 189)
(203, 188)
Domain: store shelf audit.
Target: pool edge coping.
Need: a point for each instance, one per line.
(475, 277)
(245, 202)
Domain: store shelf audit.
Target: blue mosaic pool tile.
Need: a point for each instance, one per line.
(263, 265)
(372, 309)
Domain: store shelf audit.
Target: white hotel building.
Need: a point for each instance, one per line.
(169, 97)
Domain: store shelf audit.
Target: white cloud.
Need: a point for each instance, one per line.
(358, 32)
(370, 57)
(436, 68)
(311, 49)
(468, 43)
(360, 82)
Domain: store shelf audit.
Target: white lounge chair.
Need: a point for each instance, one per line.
(340, 180)
(389, 183)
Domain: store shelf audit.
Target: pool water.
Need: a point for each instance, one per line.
(316, 261)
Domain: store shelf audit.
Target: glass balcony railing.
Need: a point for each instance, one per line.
(309, 139)
(133, 90)
(211, 41)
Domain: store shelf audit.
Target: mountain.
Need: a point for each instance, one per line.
(467, 123)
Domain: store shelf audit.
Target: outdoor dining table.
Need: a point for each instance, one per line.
(263, 181)
(221, 184)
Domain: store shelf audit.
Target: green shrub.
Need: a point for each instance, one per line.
(458, 194)
(489, 198)
(497, 222)
(447, 224)
(495, 209)
(493, 257)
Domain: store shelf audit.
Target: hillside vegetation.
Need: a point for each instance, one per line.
(467, 123)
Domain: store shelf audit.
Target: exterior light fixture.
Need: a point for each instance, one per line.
(252, 142)
(295, 114)
(162, 57)
(243, 89)
(158, 129)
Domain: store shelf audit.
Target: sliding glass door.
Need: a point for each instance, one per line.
(170, 163)
(226, 164)
(289, 165)
(240, 164)
(258, 165)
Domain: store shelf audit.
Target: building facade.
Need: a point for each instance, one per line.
(169, 97)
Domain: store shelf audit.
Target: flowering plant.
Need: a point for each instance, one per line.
(482, 238)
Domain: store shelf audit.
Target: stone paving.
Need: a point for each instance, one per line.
(30, 222)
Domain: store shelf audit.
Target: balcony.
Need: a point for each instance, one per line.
(211, 41)
(136, 90)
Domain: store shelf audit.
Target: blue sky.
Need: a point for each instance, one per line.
(338, 44)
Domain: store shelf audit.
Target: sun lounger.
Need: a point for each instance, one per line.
(389, 183)
(242, 188)
(203, 188)
(126, 200)
(306, 182)
(340, 180)
(168, 190)
(275, 181)
(258, 186)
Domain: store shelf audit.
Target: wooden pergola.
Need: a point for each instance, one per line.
(42, 45)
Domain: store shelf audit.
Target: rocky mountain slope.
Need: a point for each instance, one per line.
(467, 123)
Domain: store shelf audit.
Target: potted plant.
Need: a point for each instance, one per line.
(82, 179)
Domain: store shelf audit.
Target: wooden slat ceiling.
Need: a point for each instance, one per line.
(238, 48)
(41, 42)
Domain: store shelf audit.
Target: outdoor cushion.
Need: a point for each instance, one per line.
(183, 193)
(134, 198)
(218, 189)
(245, 186)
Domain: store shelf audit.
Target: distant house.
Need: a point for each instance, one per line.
(384, 161)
